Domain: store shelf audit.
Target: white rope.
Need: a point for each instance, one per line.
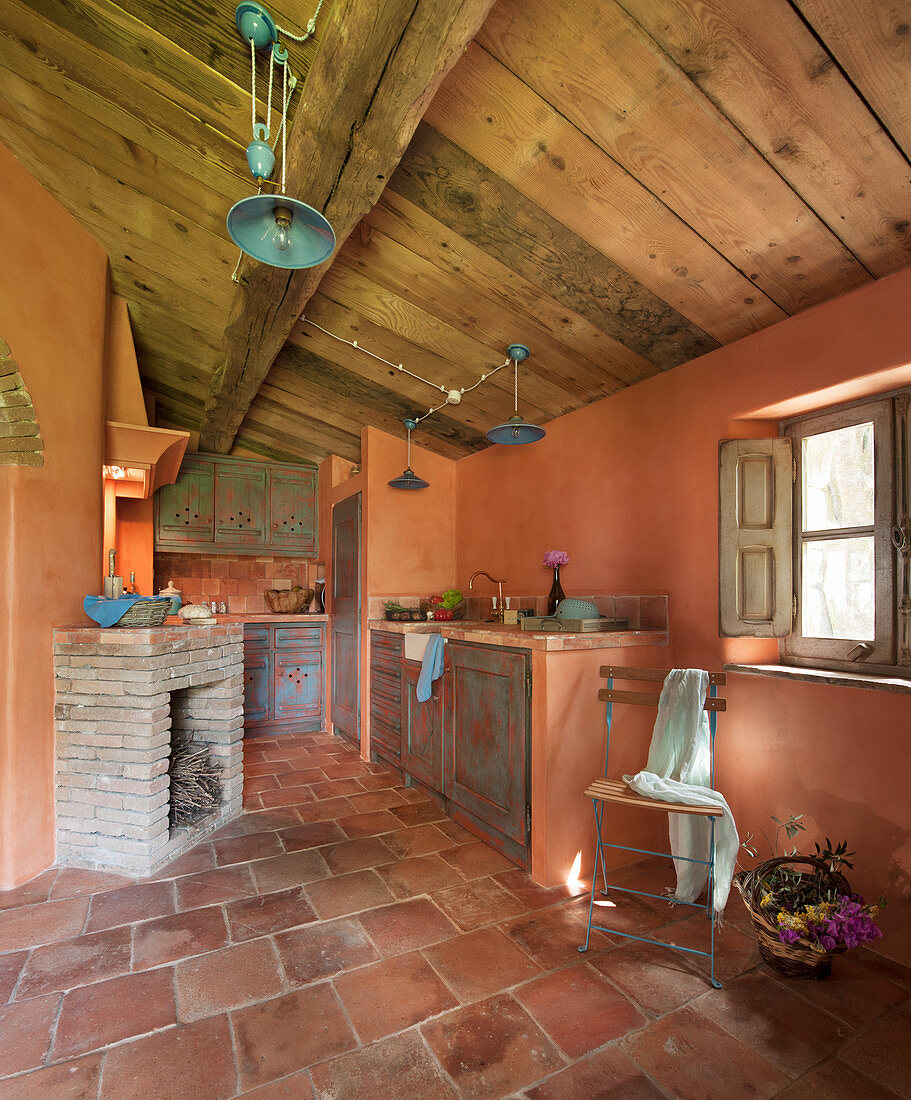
(253, 88)
(285, 68)
(271, 80)
(517, 387)
(311, 27)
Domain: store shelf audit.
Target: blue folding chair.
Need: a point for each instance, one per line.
(615, 791)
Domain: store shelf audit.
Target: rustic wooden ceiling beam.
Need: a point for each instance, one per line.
(367, 89)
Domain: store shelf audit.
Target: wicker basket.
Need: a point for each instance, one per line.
(796, 960)
(458, 612)
(290, 602)
(151, 612)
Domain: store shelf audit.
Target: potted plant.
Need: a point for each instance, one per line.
(802, 907)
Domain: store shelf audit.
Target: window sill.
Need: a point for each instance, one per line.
(825, 676)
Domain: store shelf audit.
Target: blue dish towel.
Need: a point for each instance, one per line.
(431, 667)
(106, 612)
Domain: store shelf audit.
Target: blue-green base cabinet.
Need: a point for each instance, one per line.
(284, 678)
(468, 745)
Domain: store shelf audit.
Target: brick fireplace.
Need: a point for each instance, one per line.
(122, 695)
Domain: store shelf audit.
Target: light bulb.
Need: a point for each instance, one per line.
(281, 237)
(515, 433)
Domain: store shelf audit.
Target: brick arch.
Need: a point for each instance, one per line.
(20, 437)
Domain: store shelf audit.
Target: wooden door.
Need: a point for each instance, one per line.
(486, 731)
(345, 618)
(257, 688)
(422, 729)
(297, 685)
(292, 510)
(240, 505)
(186, 509)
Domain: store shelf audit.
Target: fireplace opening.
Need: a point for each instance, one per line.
(194, 787)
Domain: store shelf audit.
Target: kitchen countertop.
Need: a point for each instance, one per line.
(477, 630)
(255, 617)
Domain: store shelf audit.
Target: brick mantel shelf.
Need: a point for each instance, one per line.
(120, 694)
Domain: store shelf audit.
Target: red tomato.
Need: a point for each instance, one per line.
(436, 600)
(442, 614)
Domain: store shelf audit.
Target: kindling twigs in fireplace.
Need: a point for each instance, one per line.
(195, 790)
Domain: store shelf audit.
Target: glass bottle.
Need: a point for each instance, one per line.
(556, 593)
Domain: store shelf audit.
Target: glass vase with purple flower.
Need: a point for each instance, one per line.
(554, 559)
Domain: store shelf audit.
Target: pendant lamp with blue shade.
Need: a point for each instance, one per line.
(516, 430)
(275, 229)
(408, 479)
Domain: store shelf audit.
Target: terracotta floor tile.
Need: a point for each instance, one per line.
(835, 1080)
(850, 992)
(302, 777)
(392, 995)
(356, 855)
(178, 937)
(607, 1073)
(774, 1021)
(578, 1009)
(312, 835)
(882, 1053)
(682, 1052)
(407, 926)
(455, 833)
(477, 859)
(296, 1086)
(342, 894)
(419, 875)
(419, 841)
(257, 768)
(377, 782)
(289, 1033)
(370, 824)
(267, 913)
(336, 788)
(256, 784)
(229, 829)
(346, 770)
(552, 937)
(329, 809)
(141, 901)
(200, 858)
(411, 794)
(244, 848)
(286, 796)
(736, 952)
(418, 813)
(74, 882)
(188, 1062)
(10, 968)
(481, 901)
(320, 950)
(80, 961)
(75, 1080)
(230, 978)
(283, 817)
(657, 979)
(882, 967)
(491, 1049)
(291, 869)
(628, 914)
(26, 1033)
(35, 890)
(367, 1072)
(533, 896)
(108, 1012)
(368, 801)
(215, 887)
(479, 964)
(43, 923)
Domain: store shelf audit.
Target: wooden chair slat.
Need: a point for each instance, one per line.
(653, 675)
(615, 790)
(643, 699)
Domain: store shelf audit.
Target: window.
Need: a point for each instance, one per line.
(834, 543)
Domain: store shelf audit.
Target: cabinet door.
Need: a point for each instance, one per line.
(486, 732)
(240, 505)
(186, 509)
(292, 510)
(422, 729)
(298, 685)
(257, 687)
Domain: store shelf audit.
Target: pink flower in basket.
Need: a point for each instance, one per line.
(553, 559)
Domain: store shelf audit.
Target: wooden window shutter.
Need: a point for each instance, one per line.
(754, 526)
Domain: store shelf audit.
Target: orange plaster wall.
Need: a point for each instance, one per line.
(53, 303)
(628, 486)
(135, 538)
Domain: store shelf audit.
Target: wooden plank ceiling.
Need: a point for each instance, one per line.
(620, 184)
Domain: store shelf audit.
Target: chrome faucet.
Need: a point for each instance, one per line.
(498, 611)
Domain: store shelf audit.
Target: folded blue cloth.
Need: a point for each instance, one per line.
(107, 612)
(431, 667)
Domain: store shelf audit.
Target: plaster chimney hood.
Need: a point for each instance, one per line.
(139, 458)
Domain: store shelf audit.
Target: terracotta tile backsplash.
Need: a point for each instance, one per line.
(240, 582)
(643, 612)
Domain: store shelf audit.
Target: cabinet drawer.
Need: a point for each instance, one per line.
(256, 637)
(386, 690)
(383, 711)
(385, 739)
(384, 641)
(300, 637)
(390, 668)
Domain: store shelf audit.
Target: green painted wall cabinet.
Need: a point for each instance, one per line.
(239, 507)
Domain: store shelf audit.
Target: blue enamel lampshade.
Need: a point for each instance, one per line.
(516, 430)
(281, 231)
(408, 479)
